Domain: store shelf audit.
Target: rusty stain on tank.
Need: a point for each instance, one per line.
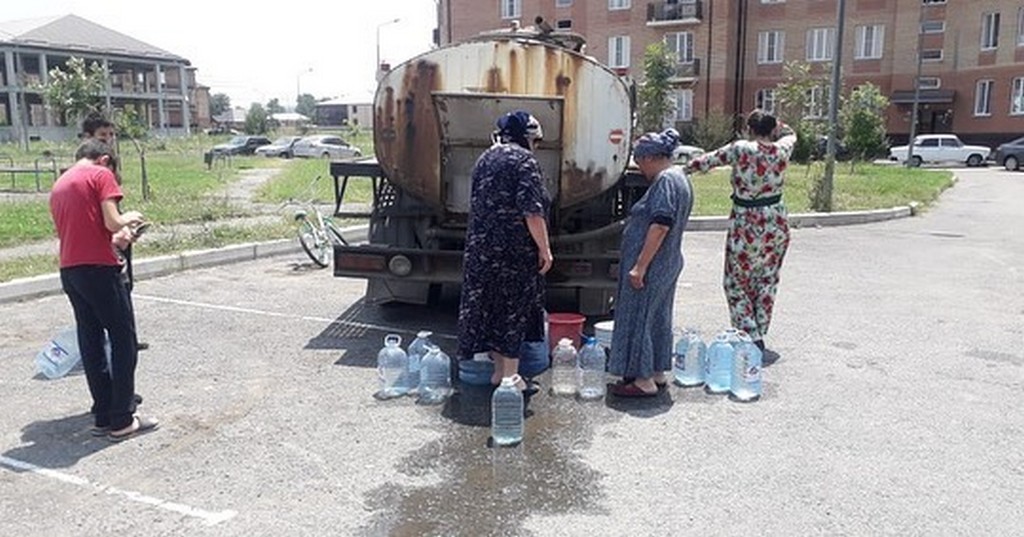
(580, 184)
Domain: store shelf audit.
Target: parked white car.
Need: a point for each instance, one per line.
(325, 146)
(940, 148)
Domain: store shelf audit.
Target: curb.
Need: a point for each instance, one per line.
(49, 284)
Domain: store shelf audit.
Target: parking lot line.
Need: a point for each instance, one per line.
(236, 309)
(210, 518)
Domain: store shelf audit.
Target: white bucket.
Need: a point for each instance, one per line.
(603, 332)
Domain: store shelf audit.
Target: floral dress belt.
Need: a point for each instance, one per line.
(759, 202)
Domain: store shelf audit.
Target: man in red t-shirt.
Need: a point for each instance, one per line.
(83, 204)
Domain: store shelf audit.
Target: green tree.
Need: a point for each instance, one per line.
(863, 120)
(713, 130)
(793, 105)
(131, 127)
(655, 100)
(274, 106)
(257, 121)
(219, 103)
(75, 90)
(306, 105)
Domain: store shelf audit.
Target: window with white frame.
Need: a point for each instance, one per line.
(618, 4)
(765, 100)
(926, 2)
(683, 101)
(563, 3)
(1017, 97)
(933, 27)
(989, 31)
(816, 102)
(773, 1)
(680, 44)
(770, 45)
(820, 42)
(618, 51)
(1020, 27)
(983, 98)
(929, 82)
(869, 42)
(931, 55)
(510, 9)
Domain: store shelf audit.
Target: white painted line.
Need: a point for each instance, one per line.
(254, 311)
(208, 517)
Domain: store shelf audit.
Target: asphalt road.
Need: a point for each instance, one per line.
(895, 407)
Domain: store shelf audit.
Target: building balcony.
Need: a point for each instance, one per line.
(669, 12)
(686, 71)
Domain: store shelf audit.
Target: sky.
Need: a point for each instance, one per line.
(256, 51)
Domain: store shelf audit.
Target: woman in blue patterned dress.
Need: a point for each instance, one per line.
(507, 250)
(650, 264)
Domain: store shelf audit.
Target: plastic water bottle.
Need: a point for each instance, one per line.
(417, 350)
(718, 373)
(745, 385)
(592, 370)
(60, 355)
(392, 363)
(688, 364)
(564, 373)
(507, 414)
(435, 377)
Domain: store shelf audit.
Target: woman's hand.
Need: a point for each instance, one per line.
(636, 276)
(544, 260)
(132, 218)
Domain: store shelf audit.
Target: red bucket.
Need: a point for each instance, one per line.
(565, 325)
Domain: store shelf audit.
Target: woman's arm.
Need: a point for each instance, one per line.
(652, 242)
(114, 220)
(786, 138)
(538, 227)
(707, 161)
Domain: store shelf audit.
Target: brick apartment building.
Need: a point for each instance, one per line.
(731, 52)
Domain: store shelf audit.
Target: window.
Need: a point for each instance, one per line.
(983, 98)
(683, 100)
(618, 4)
(770, 45)
(820, 42)
(927, 142)
(618, 51)
(773, 1)
(563, 3)
(926, 2)
(933, 27)
(1020, 27)
(989, 31)
(681, 44)
(563, 24)
(869, 42)
(931, 55)
(1017, 97)
(765, 100)
(929, 82)
(510, 9)
(817, 102)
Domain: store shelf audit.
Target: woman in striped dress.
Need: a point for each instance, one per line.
(759, 230)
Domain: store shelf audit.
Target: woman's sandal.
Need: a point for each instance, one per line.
(631, 391)
(139, 425)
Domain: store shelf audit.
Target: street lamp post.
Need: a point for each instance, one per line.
(376, 68)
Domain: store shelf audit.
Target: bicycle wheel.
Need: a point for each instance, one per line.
(335, 232)
(315, 243)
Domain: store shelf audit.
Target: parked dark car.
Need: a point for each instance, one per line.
(1010, 155)
(821, 149)
(240, 145)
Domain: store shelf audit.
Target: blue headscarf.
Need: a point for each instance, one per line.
(652, 144)
(518, 127)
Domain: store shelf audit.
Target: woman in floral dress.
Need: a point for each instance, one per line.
(759, 230)
(507, 250)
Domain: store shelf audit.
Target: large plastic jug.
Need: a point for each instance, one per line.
(392, 364)
(745, 384)
(435, 377)
(718, 374)
(507, 414)
(592, 360)
(60, 355)
(417, 350)
(688, 362)
(564, 373)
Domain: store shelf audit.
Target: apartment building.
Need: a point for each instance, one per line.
(731, 52)
(159, 85)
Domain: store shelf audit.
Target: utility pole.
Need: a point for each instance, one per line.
(824, 196)
(917, 91)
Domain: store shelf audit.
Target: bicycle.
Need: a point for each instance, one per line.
(317, 233)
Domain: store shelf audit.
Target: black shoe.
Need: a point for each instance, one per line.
(142, 345)
(137, 399)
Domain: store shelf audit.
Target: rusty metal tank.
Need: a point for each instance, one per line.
(435, 114)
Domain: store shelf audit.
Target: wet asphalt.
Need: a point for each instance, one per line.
(894, 407)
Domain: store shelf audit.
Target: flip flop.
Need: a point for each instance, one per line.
(139, 426)
(631, 391)
(98, 431)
